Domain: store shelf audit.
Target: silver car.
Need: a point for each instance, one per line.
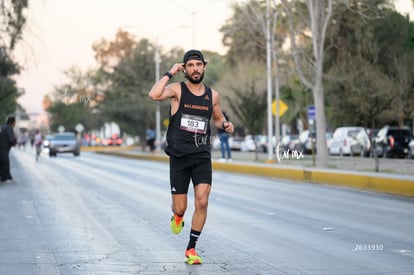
(64, 143)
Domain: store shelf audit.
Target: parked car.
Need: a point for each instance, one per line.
(392, 141)
(288, 142)
(362, 146)
(303, 142)
(262, 143)
(114, 140)
(235, 143)
(64, 143)
(248, 144)
(344, 138)
(329, 138)
(411, 149)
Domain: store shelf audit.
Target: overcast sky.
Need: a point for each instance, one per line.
(60, 34)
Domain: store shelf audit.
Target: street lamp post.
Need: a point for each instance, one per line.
(157, 60)
(269, 84)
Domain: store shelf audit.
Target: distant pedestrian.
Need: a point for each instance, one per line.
(7, 140)
(150, 137)
(38, 139)
(224, 142)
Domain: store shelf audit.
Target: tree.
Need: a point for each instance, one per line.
(249, 109)
(319, 16)
(368, 65)
(246, 97)
(298, 98)
(8, 89)
(356, 95)
(12, 21)
(244, 33)
(130, 82)
(127, 73)
(74, 102)
(109, 53)
(395, 36)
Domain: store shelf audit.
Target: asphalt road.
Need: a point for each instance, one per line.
(100, 214)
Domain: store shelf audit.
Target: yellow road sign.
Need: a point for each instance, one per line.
(165, 122)
(282, 107)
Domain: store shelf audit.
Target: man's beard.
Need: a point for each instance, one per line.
(195, 81)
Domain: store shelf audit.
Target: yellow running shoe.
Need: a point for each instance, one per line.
(191, 257)
(177, 224)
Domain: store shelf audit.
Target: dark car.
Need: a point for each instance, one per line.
(392, 141)
(64, 143)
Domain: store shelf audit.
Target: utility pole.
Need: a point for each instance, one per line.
(269, 85)
(157, 60)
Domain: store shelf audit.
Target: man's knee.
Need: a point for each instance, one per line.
(179, 210)
(179, 205)
(201, 203)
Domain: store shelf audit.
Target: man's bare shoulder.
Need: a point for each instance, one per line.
(175, 85)
(215, 94)
(175, 89)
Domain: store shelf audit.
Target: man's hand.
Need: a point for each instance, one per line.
(228, 127)
(178, 67)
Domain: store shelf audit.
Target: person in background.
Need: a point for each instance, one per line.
(38, 139)
(224, 142)
(7, 140)
(150, 137)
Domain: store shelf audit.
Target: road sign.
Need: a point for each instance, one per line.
(165, 122)
(79, 128)
(282, 107)
(311, 113)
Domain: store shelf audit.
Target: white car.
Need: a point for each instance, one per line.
(248, 144)
(344, 138)
(411, 149)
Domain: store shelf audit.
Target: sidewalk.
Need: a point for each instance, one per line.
(357, 163)
(396, 176)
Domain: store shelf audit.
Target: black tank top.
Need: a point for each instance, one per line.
(188, 132)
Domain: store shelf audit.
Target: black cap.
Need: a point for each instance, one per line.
(193, 55)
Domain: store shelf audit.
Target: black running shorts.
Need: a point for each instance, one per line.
(183, 169)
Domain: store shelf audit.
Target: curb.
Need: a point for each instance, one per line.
(397, 185)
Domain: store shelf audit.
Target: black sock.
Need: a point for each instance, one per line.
(193, 239)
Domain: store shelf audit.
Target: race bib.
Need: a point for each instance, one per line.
(194, 124)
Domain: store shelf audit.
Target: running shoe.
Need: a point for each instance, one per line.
(191, 257)
(176, 224)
